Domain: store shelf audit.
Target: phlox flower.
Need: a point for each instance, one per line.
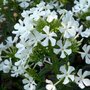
(63, 48)
(81, 6)
(6, 66)
(66, 74)
(86, 53)
(24, 3)
(86, 33)
(29, 83)
(49, 36)
(81, 79)
(50, 85)
(69, 25)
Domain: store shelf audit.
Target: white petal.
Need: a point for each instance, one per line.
(79, 72)
(53, 34)
(88, 18)
(81, 85)
(32, 87)
(66, 80)
(68, 51)
(84, 47)
(46, 29)
(72, 32)
(70, 69)
(77, 79)
(6, 62)
(86, 82)
(26, 87)
(53, 41)
(63, 54)
(63, 69)
(67, 44)
(56, 51)
(86, 73)
(45, 42)
(71, 77)
(48, 81)
(87, 59)
(67, 35)
(88, 48)
(24, 4)
(60, 76)
(59, 43)
(83, 55)
(25, 81)
(49, 87)
(86, 33)
(16, 26)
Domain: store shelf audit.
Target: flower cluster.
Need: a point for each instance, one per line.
(48, 37)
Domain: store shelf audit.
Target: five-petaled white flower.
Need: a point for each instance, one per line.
(7, 64)
(69, 25)
(86, 33)
(52, 16)
(66, 73)
(48, 36)
(81, 6)
(86, 53)
(2, 18)
(29, 83)
(81, 79)
(63, 48)
(24, 3)
(50, 85)
(88, 18)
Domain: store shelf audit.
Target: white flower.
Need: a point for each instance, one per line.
(66, 73)
(15, 71)
(6, 67)
(24, 3)
(86, 54)
(48, 36)
(2, 47)
(69, 25)
(81, 79)
(19, 28)
(1, 66)
(29, 83)
(19, 68)
(50, 85)
(2, 18)
(9, 42)
(63, 48)
(52, 16)
(86, 33)
(40, 64)
(81, 6)
(88, 18)
(5, 2)
(0, 56)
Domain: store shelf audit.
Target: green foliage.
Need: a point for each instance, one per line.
(83, 16)
(47, 71)
(9, 83)
(39, 52)
(75, 45)
(40, 24)
(54, 25)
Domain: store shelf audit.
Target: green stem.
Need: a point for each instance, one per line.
(58, 82)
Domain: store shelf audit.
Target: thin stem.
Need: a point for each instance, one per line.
(58, 82)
